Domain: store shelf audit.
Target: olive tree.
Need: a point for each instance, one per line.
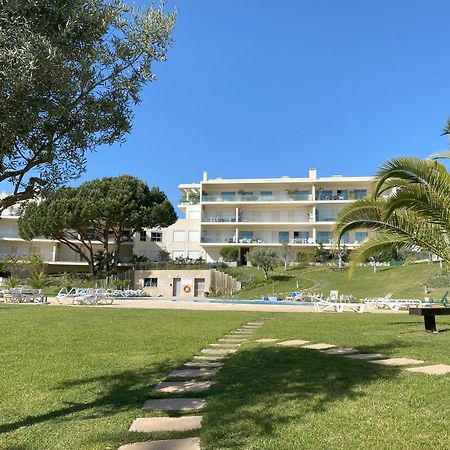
(70, 72)
(265, 258)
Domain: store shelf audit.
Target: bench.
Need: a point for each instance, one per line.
(429, 316)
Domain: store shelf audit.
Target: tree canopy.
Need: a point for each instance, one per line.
(70, 71)
(107, 210)
(265, 258)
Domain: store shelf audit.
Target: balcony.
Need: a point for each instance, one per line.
(340, 194)
(212, 219)
(281, 196)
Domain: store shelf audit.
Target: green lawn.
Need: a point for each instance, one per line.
(75, 378)
(402, 281)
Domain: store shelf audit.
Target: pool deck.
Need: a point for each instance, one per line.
(167, 303)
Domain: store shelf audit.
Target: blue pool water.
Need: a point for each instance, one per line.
(223, 301)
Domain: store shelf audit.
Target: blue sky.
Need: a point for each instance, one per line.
(258, 88)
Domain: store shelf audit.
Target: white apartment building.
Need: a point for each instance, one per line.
(246, 213)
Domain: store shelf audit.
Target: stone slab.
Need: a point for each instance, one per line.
(180, 387)
(152, 424)
(436, 369)
(203, 364)
(340, 351)
(266, 340)
(209, 358)
(243, 337)
(398, 361)
(194, 373)
(255, 323)
(169, 444)
(244, 332)
(232, 339)
(320, 346)
(249, 327)
(292, 343)
(218, 352)
(174, 404)
(366, 356)
(225, 345)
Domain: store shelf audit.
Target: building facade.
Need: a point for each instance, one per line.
(246, 213)
(251, 213)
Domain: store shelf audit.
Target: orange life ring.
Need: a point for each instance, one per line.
(187, 289)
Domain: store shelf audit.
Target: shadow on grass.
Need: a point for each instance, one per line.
(282, 277)
(124, 390)
(263, 388)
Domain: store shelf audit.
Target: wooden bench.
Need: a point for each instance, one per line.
(429, 316)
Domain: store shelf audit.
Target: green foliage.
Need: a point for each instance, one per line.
(265, 258)
(39, 280)
(70, 72)
(138, 261)
(305, 257)
(78, 216)
(17, 264)
(229, 254)
(415, 216)
(164, 256)
(12, 282)
(321, 254)
(286, 254)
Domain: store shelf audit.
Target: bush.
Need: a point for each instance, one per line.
(229, 254)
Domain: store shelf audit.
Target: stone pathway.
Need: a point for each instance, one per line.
(181, 387)
(436, 369)
(174, 404)
(205, 365)
(266, 340)
(149, 424)
(292, 343)
(172, 444)
(339, 351)
(397, 361)
(366, 356)
(193, 373)
(320, 346)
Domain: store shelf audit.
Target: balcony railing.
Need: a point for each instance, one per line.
(275, 197)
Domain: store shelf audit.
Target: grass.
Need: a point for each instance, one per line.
(75, 378)
(402, 281)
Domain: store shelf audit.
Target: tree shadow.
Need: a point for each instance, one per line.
(256, 382)
(120, 391)
(282, 277)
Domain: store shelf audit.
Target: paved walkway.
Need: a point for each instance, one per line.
(196, 372)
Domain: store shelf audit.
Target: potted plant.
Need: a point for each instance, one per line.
(293, 193)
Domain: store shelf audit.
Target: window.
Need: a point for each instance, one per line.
(194, 236)
(178, 236)
(143, 236)
(266, 195)
(301, 236)
(325, 194)
(246, 236)
(150, 282)
(283, 236)
(345, 238)
(302, 195)
(361, 235)
(325, 237)
(228, 196)
(156, 236)
(360, 193)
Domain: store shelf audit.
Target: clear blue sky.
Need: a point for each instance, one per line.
(258, 88)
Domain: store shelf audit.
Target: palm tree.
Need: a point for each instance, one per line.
(409, 209)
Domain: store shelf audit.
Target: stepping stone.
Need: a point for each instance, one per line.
(320, 346)
(398, 361)
(339, 351)
(366, 356)
(266, 340)
(180, 387)
(175, 404)
(150, 424)
(203, 364)
(437, 369)
(232, 340)
(244, 332)
(255, 323)
(186, 373)
(169, 444)
(211, 351)
(292, 343)
(209, 358)
(249, 327)
(226, 345)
